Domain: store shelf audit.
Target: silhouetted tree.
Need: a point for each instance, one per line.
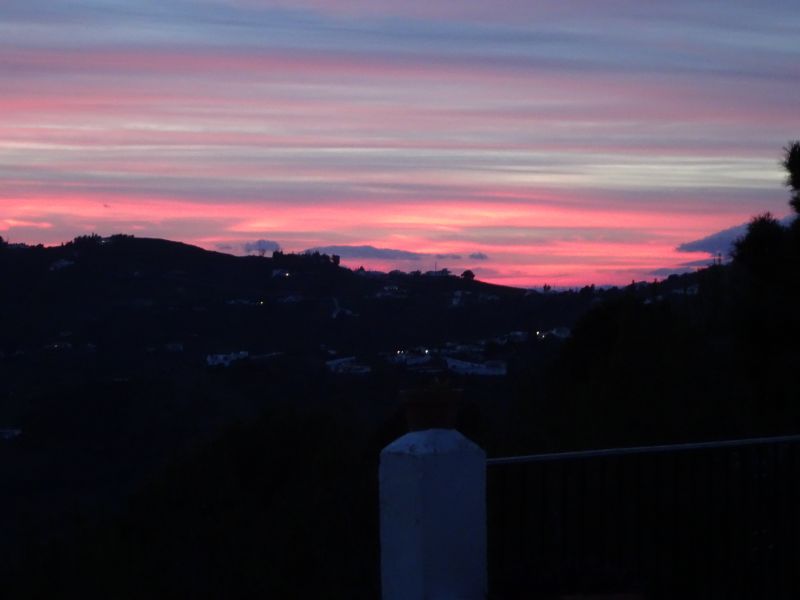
(791, 162)
(468, 275)
(87, 242)
(762, 249)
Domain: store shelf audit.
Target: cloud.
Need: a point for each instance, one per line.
(434, 127)
(721, 242)
(261, 246)
(666, 272)
(686, 267)
(367, 252)
(371, 252)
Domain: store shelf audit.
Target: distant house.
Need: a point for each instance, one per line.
(264, 358)
(391, 291)
(691, 290)
(61, 263)
(347, 366)
(290, 299)
(417, 356)
(561, 333)
(514, 337)
(490, 368)
(451, 348)
(226, 360)
(58, 346)
(460, 298)
(6, 435)
(242, 302)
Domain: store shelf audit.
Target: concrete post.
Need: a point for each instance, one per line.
(433, 517)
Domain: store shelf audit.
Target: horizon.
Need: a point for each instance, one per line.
(561, 145)
(353, 264)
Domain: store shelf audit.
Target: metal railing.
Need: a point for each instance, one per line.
(708, 520)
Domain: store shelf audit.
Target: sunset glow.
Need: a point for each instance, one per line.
(530, 143)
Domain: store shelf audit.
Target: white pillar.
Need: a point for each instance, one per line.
(433, 517)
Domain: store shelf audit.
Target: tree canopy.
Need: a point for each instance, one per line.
(791, 162)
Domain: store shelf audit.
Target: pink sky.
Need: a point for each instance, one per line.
(559, 146)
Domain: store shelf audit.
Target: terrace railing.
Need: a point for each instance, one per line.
(709, 520)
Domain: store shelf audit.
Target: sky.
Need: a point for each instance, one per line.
(562, 143)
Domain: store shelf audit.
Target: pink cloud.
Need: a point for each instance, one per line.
(7, 224)
(564, 167)
(512, 261)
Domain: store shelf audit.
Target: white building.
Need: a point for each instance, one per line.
(347, 366)
(490, 368)
(226, 360)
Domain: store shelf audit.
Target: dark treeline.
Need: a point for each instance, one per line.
(140, 473)
(722, 364)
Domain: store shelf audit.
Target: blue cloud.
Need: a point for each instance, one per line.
(367, 252)
(261, 246)
(721, 242)
(686, 267)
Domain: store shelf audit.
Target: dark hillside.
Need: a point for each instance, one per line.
(104, 371)
(718, 363)
(139, 461)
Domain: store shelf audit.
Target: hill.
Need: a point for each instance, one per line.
(119, 356)
(170, 413)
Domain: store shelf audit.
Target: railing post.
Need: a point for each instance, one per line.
(433, 517)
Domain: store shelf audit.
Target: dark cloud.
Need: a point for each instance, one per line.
(666, 272)
(720, 242)
(697, 264)
(224, 247)
(261, 246)
(686, 267)
(367, 252)
(479, 256)
(448, 256)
